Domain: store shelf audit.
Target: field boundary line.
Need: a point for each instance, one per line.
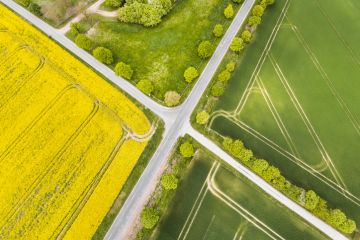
(262, 58)
(215, 190)
(326, 78)
(307, 122)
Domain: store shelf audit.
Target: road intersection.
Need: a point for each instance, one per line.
(177, 124)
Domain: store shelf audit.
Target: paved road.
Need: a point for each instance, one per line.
(177, 123)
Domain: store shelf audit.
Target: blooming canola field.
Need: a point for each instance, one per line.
(68, 139)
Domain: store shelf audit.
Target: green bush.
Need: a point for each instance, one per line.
(190, 74)
(258, 10)
(114, 3)
(218, 89)
(24, 3)
(146, 86)
(75, 28)
(237, 44)
(259, 166)
(104, 55)
(224, 76)
(172, 98)
(35, 9)
(311, 200)
(149, 218)
(169, 181)
(230, 67)
(218, 30)
(202, 117)
(187, 150)
(205, 49)
(254, 21)
(229, 11)
(238, 1)
(246, 36)
(84, 42)
(124, 70)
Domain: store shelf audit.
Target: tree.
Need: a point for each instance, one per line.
(336, 218)
(35, 9)
(187, 150)
(75, 28)
(202, 117)
(104, 55)
(246, 36)
(124, 70)
(149, 218)
(205, 49)
(245, 155)
(169, 181)
(172, 98)
(237, 44)
(218, 30)
(267, 2)
(257, 10)
(114, 3)
(238, 1)
(218, 89)
(348, 226)
(224, 76)
(254, 20)
(321, 209)
(190, 74)
(230, 67)
(260, 165)
(83, 42)
(279, 183)
(229, 11)
(146, 86)
(311, 200)
(271, 173)
(24, 3)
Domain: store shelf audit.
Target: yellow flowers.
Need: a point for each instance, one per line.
(65, 152)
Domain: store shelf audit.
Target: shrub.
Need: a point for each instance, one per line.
(311, 200)
(190, 74)
(124, 70)
(271, 173)
(104, 55)
(24, 3)
(238, 1)
(229, 11)
(75, 28)
(218, 30)
(83, 42)
(218, 89)
(254, 20)
(348, 226)
(202, 117)
(35, 9)
(230, 66)
(246, 36)
(187, 150)
(258, 10)
(114, 3)
(224, 76)
(149, 218)
(169, 181)
(172, 98)
(146, 86)
(237, 44)
(259, 166)
(205, 49)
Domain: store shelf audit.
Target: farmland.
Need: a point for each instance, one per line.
(69, 140)
(292, 98)
(213, 203)
(170, 47)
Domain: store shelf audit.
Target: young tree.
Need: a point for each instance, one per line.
(218, 30)
(271, 173)
(230, 67)
(169, 181)
(83, 42)
(258, 10)
(75, 28)
(205, 49)
(172, 98)
(149, 218)
(237, 44)
(104, 55)
(348, 227)
(187, 150)
(336, 217)
(190, 74)
(24, 3)
(218, 89)
(254, 21)
(124, 70)
(146, 86)
(114, 3)
(260, 165)
(224, 76)
(35, 9)
(202, 117)
(229, 11)
(311, 200)
(246, 36)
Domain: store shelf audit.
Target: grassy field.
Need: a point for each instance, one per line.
(69, 139)
(292, 98)
(213, 203)
(162, 53)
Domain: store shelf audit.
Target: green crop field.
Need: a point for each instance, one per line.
(213, 203)
(294, 97)
(162, 53)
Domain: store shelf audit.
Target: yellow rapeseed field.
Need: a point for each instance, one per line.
(66, 138)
